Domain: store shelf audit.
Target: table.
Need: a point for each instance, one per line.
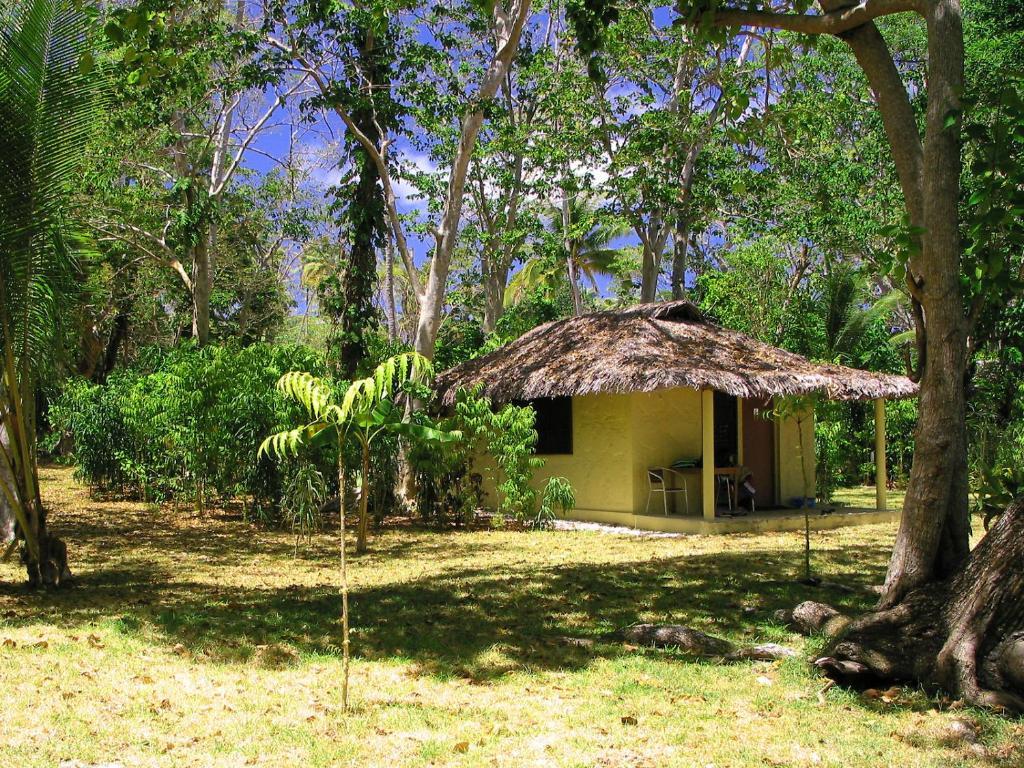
(731, 472)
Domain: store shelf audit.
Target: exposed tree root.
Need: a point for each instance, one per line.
(964, 635)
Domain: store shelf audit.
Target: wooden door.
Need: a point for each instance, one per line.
(759, 448)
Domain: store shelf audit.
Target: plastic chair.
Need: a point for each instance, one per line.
(656, 481)
(724, 480)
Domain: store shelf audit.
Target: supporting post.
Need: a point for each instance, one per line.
(707, 466)
(739, 435)
(881, 475)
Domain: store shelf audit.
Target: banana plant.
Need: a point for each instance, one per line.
(362, 411)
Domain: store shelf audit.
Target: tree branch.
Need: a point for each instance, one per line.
(220, 178)
(376, 155)
(169, 259)
(831, 23)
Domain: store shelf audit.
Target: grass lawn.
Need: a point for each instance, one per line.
(204, 642)
(863, 497)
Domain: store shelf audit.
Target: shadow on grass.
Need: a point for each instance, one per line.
(472, 622)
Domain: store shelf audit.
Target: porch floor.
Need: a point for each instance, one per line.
(768, 520)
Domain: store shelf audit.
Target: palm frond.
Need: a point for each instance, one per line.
(307, 390)
(49, 108)
(535, 272)
(288, 442)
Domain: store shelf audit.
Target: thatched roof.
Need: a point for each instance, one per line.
(656, 346)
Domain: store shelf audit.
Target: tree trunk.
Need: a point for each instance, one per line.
(650, 267)
(964, 635)
(22, 508)
(7, 480)
(570, 248)
(574, 285)
(934, 528)
(507, 31)
(950, 631)
(345, 636)
(680, 244)
(364, 503)
(202, 287)
(51, 571)
(118, 335)
(495, 279)
(390, 305)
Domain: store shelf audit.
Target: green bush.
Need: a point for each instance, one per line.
(558, 496)
(844, 436)
(183, 423)
(450, 483)
(449, 490)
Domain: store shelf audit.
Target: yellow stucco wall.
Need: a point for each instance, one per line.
(666, 427)
(617, 437)
(600, 467)
(790, 474)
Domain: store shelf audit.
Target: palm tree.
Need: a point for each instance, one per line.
(48, 107)
(584, 237)
(365, 409)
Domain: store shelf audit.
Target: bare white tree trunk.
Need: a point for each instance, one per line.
(390, 305)
(508, 27)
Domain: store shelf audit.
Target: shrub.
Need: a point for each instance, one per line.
(183, 423)
(558, 495)
(450, 483)
(449, 491)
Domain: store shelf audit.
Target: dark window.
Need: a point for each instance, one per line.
(554, 424)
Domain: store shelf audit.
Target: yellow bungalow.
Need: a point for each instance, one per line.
(656, 415)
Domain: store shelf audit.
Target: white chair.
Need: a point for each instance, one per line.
(724, 480)
(657, 480)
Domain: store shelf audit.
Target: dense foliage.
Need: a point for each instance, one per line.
(183, 423)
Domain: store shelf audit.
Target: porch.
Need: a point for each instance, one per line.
(759, 522)
(747, 433)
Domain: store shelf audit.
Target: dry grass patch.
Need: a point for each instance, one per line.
(205, 642)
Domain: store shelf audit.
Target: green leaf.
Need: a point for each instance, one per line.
(114, 32)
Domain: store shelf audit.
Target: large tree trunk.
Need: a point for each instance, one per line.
(934, 529)
(955, 631)
(964, 635)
